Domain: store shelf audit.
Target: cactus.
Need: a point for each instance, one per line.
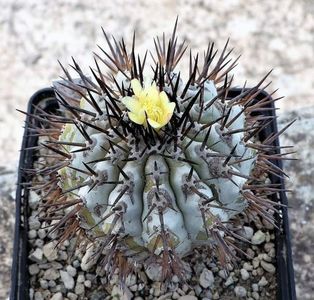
(150, 166)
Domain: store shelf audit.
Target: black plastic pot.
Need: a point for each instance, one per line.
(45, 99)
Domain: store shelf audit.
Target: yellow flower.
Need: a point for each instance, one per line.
(148, 102)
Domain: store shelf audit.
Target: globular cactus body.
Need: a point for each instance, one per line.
(153, 166)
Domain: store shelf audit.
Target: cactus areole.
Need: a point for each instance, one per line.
(149, 165)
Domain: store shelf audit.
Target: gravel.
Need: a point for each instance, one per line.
(258, 238)
(206, 279)
(240, 291)
(67, 280)
(50, 251)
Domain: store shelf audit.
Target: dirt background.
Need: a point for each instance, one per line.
(269, 34)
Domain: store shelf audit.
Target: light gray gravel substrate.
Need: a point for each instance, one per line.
(57, 274)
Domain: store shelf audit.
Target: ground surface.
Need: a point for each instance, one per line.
(269, 34)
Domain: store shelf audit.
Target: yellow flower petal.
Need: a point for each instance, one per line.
(136, 87)
(163, 97)
(170, 107)
(148, 102)
(154, 124)
(138, 118)
(131, 104)
(153, 95)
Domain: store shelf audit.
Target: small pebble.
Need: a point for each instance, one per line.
(153, 272)
(229, 281)
(244, 274)
(33, 269)
(247, 266)
(79, 289)
(87, 283)
(41, 233)
(32, 234)
(247, 232)
(38, 296)
(263, 282)
(268, 267)
(240, 291)
(39, 243)
(33, 223)
(71, 270)
(46, 294)
(80, 278)
(269, 246)
(255, 262)
(52, 283)
(258, 238)
(223, 274)
(72, 296)
(255, 287)
(67, 280)
(216, 296)
(63, 255)
(51, 251)
(76, 263)
(124, 294)
(187, 297)
(206, 279)
(44, 284)
(51, 274)
(89, 259)
(33, 199)
(36, 256)
(57, 296)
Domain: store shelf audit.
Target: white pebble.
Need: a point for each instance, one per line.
(263, 282)
(71, 270)
(33, 199)
(72, 296)
(80, 278)
(79, 289)
(124, 294)
(89, 259)
(229, 281)
(247, 266)
(50, 251)
(36, 256)
(67, 279)
(268, 267)
(240, 291)
(57, 296)
(258, 238)
(33, 222)
(51, 274)
(44, 284)
(245, 274)
(154, 273)
(33, 269)
(88, 283)
(32, 234)
(247, 232)
(63, 255)
(206, 279)
(42, 233)
(255, 287)
(39, 243)
(38, 296)
(223, 274)
(52, 283)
